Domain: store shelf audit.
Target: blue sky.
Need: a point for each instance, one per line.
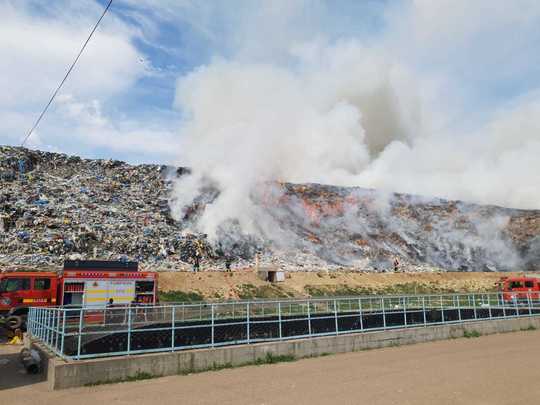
(163, 79)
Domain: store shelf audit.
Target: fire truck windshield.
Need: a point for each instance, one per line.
(14, 284)
(3, 285)
(515, 284)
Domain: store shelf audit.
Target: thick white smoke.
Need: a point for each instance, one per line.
(324, 121)
(343, 115)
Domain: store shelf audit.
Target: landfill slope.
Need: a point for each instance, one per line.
(242, 284)
(54, 206)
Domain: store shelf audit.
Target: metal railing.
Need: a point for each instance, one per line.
(78, 333)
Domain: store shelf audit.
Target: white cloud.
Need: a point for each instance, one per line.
(36, 50)
(89, 127)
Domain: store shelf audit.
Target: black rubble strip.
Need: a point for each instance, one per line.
(234, 331)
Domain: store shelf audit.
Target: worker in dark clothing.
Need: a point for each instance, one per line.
(396, 265)
(109, 314)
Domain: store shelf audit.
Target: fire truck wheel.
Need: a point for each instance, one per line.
(14, 322)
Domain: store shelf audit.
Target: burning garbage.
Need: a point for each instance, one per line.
(55, 207)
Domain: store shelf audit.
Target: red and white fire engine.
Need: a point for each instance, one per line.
(88, 283)
(520, 289)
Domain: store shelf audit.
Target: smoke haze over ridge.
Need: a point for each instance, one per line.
(355, 112)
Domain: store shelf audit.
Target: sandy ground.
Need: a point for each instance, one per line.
(226, 285)
(496, 369)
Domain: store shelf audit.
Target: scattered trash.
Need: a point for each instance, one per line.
(55, 207)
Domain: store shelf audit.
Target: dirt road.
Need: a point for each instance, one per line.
(497, 369)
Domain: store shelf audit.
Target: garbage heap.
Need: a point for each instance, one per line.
(351, 227)
(55, 207)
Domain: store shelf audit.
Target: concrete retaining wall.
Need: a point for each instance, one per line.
(66, 374)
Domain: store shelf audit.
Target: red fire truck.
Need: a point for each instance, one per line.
(88, 283)
(520, 289)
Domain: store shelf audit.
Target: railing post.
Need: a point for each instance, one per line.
(279, 320)
(529, 302)
(129, 330)
(360, 313)
(212, 307)
(442, 309)
(489, 306)
(57, 329)
(50, 329)
(29, 323)
(424, 309)
(309, 317)
(248, 318)
(36, 322)
(46, 340)
(38, 325)
(474, 306)
(383, 313)
(501, 300)
(459, 306)
(516, 305)
(80, 334)
(173, 325)
(63, 331)
(405, 311)
(335, 317)
(42, 324)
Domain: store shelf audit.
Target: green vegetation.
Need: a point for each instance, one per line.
(273, 359)
(270, 358)
(336, 290)
(409, 288)
(249, 291)
(471, 334)
(345, 290)
(530, 327)
(179, 296)
(140, 375)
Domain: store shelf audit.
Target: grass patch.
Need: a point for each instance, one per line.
(249, 291)
(530, 327)
(269, 358)
(409, 288)
(335, 290)
(471, 334)
(180, 296)
(139, 376)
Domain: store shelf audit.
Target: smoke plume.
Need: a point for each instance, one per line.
(344, 113)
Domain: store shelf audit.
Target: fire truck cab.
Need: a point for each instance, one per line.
(19, 290)
(91, 284)
(520, 289)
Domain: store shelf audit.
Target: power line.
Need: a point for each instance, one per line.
(66, 76)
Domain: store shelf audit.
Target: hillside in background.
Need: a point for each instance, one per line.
(54, 206)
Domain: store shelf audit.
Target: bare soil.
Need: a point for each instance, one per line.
(495, 370)
(247, 284)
